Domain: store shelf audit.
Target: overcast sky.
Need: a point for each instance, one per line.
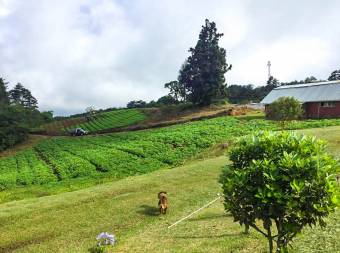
(76, 53)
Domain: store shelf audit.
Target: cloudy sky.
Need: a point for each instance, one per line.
(76, 53)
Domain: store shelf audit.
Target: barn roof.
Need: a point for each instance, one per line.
(309, 92)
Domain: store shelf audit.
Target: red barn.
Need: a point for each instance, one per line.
(319, 100)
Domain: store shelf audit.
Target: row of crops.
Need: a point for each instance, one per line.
(112, 119)
(101, 121)
(122, 154)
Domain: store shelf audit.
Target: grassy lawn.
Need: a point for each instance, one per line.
(69, 222)
(329, 134)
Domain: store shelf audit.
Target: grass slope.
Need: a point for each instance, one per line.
(69, 222)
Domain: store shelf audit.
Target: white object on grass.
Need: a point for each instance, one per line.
(186, 217)
(105, 238)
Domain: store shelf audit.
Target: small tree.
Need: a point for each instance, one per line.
(136, 104)
(283, 179)
(335, 75)
(284, 109)
(177, 90)
(273, 82)
(90, 113)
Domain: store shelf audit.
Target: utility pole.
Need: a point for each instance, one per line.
(269, 64)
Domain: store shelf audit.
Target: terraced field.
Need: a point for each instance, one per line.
(102, 121)
(128, 153)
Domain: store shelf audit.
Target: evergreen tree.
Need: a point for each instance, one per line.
(15, 95)
(3, 92)
(202, 74)
(19, 95)
(28, 100)
(335, 75)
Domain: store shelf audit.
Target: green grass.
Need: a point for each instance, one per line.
(69, 222)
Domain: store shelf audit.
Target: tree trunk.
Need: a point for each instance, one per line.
(246, 228)
(281, 244)
(270, 240)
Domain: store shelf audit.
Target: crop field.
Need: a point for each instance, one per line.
(124, 154)
(112, 119)
(102, 121)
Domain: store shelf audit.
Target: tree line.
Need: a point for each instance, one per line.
(18, 114)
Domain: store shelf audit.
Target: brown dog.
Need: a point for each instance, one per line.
(163, 202)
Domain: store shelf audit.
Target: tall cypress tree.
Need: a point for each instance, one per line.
(202, 74)
(3, 92)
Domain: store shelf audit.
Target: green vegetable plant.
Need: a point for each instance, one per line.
(283, 180)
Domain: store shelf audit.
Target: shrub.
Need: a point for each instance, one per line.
(283, 179)
(284, 109)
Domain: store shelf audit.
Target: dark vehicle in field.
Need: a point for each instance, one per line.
(78, 132)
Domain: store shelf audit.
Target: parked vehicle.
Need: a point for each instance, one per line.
(78, 132)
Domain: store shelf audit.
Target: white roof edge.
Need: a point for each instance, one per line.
(302, 102)
(307, 85)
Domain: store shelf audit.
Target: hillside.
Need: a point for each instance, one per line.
(101, 121)
(144, 118)
(69, 222)
(68, 163)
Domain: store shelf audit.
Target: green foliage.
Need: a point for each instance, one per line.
(136, 104)
(3, 92)
(13, 128)
(283, 179)
(19, 95)
(97, 249)
(284, 109)
(166, 100)
(202, 74)
(47, 116)
(273, 82)
(241, 94)
(129, 153)
(124, 154)
(177, 90)
(18, 113)
(112, 119)
(335, 75)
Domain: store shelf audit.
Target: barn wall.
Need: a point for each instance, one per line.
(314, 110)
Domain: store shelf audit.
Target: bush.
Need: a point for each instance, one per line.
(283, 179)
(284, 109)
